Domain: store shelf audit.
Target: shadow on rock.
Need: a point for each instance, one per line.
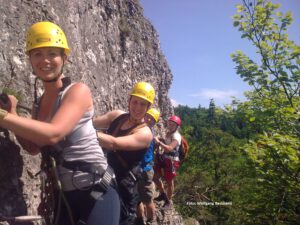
(11, 187)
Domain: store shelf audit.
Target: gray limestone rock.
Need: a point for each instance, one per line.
(112, 47)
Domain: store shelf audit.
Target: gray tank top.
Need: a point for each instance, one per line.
(81, 143)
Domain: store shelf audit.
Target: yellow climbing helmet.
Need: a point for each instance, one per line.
(154, 113)
(46, 34)
(144, 90)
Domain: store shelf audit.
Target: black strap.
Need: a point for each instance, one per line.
(66, 81)
(116, 124)
(114, 130)
(108, 179)
(83, 167)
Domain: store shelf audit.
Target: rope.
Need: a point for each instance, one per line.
(61, 195)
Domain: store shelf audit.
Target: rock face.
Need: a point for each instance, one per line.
(112, 47)
(167, 216)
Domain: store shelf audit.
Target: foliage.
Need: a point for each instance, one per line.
(277, 159)
(275, 78)
(249, 152)
(9, 91)
(272, 110)
(195, 117)
(210, 174)
(278, 71)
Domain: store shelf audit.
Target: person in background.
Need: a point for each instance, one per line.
(171, 160)
(126, 141)
(79, 183)
(145, 183)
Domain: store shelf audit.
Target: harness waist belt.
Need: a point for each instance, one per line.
(84, 177)
(175, 158)
(108, 179)
(83, 167)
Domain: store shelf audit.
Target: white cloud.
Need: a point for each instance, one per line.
(216, 94)
(221, 97)
(174, 102)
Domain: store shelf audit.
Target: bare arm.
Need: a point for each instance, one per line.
(75, 103)
(167, 148)
(29, 146)
(103, 121)
(133, 142)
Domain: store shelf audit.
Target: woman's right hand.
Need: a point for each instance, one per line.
(13, 102)
(5, 102)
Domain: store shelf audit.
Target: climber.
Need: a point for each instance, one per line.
(171, 161)
(126, 141)
(145, 183)
(79, 182)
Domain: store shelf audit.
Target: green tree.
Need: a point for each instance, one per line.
(232, 120)
(196, 118)
(275, 74)
(211, 117)
(272, 111)
(212, 173)
(214, 169)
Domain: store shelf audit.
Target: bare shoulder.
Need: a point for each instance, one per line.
(145, 131)
(114, 114)
(79, 88)
(79, 94)
(106, 119)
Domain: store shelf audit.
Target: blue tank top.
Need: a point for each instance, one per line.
(147, 162)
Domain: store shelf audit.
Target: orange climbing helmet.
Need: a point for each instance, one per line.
(46, 34)
(175, 119)
(143, 90)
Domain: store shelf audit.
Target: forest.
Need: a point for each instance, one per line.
(243, 166)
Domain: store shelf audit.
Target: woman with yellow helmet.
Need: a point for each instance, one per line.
(145, 184)
(126, 141)
(61, 130)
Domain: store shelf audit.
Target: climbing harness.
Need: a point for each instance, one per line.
(100, 182)
(79, 176)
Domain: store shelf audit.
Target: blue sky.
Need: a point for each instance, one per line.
(197, 38)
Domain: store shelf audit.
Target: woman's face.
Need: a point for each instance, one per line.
(138, 107)
(172, 126)
(150, 120)
(47, 62)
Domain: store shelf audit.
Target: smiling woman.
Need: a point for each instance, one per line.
(61, 130)
(46, 42)
(47, 63)
(126, 141)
